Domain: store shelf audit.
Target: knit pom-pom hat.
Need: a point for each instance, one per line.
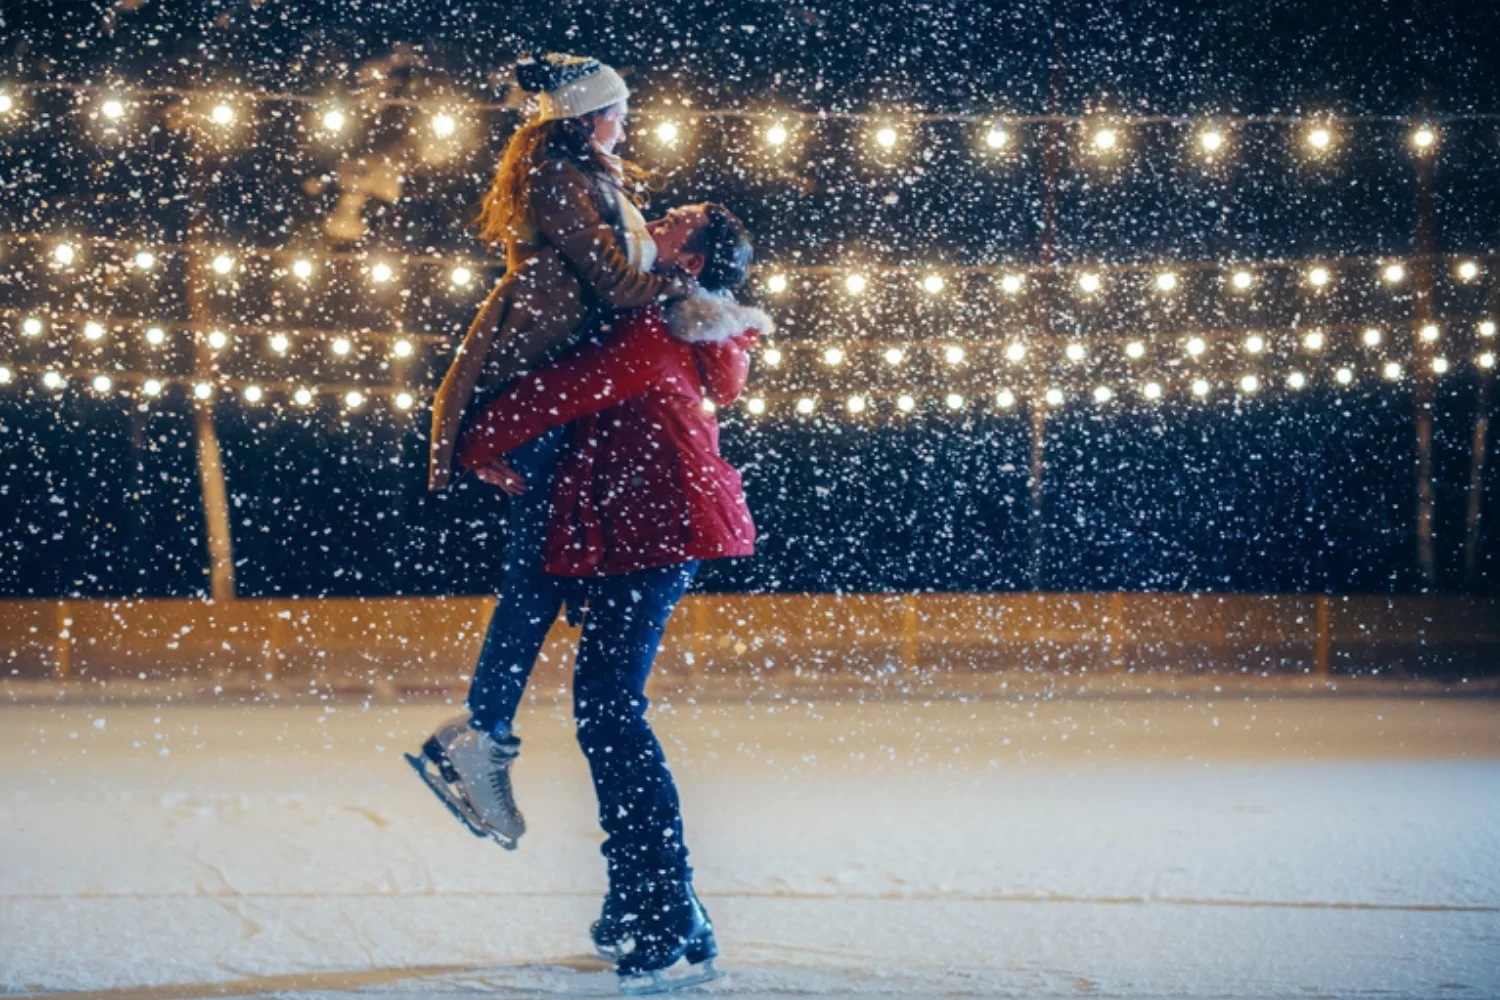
(568, 86)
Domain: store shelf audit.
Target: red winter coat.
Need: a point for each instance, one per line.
(641, 484)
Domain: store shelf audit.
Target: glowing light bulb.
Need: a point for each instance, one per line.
(1255, 343)
(1166, 282)
(1015, 351)
(855, 283)
(1320, 138)
(1371, 337)
(1296, 380)
(906, 404)
(856, 404)
(1429, 333)
(202, 390)
(155, 336)
(1344, 375)
(112, 109)
(218, 340)
(1201, 387)
(996, 137)
(93, 331)
(341, 346)
(1075, 352)
(7, 104)
(145, 260)
(756, 405)
(1468, 270)
(1440, 366)
(1242, 280)
(461, 276)
(64, 254)
(1103, 394)
(1392, 370)
(1135, 349)
(776, 135)
(1314, 341)
(223, 264)
(1105, 139)
(1319, 277)
(381, 273)
(953, 354)
(1011, 284)
(776, 284)
(302, 397)
(894, 356)
(833, 356)
(771, 357)
(1053, 397)
(954, 401)
(32, 327)
(1210, 140)
(1196, 346)
(1090, 283)
(1487, 359)
(666, 132)
(806, 405)
(151, 387)
(302, 269)
(444, 125)
(222, 114)
(886, 137)
(1151, 390)
(405, 400)
(402, 348)
(1487, 328)
(1249, 384)
(1394, 274)
(253, 394)
(1005, 399)
(53, 380)
(1424, 138)
(354, 399)
(102, 383)
(5, 375)
(333, 121)
(933, 284)
(279, 343)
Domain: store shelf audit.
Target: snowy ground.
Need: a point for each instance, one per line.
(1016, 847)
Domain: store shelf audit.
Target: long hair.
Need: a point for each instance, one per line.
(503, 213)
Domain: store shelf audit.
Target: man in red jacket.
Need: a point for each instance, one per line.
(640, 496)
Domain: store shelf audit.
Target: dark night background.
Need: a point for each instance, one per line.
(1285, 492)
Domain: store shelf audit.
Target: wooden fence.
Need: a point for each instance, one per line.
(417, 643)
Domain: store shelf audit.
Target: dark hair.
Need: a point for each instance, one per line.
(506, 204)
(724, 243)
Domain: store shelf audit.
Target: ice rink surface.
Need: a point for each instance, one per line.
(1007, 846)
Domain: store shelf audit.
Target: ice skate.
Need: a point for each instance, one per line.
(612, 928)
(469, 771)
(670, 926)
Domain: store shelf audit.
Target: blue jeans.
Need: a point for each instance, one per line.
(529, 598)
(638, 805)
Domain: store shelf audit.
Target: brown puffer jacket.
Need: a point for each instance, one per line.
(559, 278)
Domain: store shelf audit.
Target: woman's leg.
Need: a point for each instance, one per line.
(638, 804)
(529, 598)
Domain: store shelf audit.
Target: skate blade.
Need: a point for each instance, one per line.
(654, 983)
(445, 795)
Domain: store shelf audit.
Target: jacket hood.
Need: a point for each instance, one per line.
(708, 317)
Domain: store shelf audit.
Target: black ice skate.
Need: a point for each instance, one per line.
(469, 771)
(611, 930)
(668, 925)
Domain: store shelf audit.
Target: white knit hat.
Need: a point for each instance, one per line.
(568, 86)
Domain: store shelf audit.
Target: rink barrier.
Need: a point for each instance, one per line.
(422, 643)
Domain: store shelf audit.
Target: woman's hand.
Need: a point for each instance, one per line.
(499, 473)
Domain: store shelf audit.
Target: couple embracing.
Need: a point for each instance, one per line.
(583, 390)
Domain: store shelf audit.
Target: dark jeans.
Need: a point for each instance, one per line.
(638, 805)
(529, 598)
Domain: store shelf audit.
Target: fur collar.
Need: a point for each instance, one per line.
(709, 317)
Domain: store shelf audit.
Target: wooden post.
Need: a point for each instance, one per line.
(1422, 379)
(1320, 641)
(210, 459)
(1473, 522)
